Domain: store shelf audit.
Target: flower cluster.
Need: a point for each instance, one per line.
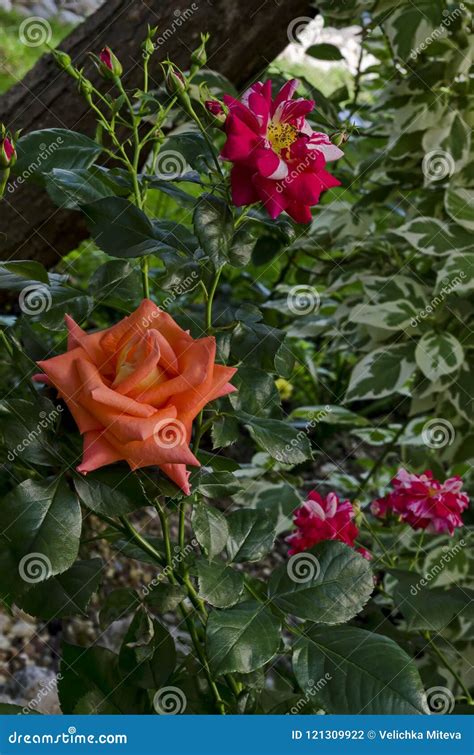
(278, 158)
(324, 519)
(424, 503)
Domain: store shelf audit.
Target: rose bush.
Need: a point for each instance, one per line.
(258, 396)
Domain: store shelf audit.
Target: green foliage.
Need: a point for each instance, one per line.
(352, 347)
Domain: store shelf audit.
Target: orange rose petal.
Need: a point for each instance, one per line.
(97, 452)
(194, 362)
(90, 342)
(134, 324)
(61, 373)
(92, 385)
(149, 452)
(179, 474)
(143, 369)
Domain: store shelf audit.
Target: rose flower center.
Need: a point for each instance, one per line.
(281, 135)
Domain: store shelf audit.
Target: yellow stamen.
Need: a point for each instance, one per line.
(281, 135)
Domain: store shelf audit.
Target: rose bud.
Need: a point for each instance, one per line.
(7, 152)
(63, 60)
(216, 114)
(199, 56)
(109, 65)
(175, 81)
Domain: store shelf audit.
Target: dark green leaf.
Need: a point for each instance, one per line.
(211, 529)
(329, 584)
(283, 442)
(213, 225)
(354, 672)
(219, 585)
(41, 151)
(65, 594)
(242, 638)
(147, 656)
(251, 534)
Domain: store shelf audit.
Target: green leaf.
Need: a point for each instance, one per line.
(16, 275)
(90, 682)
(116, 282)
(382, 372)
(40, 524)
(41, 151)
(251, 534)
(459, 203)
(214, 227)
(329, 584)
(121, 229)
(6, 709)
(325, 51)
(457, 274)
(72, 188)
(357, 672)
(438, 354)
(164, 597)
(219, 585)
(410, 27)
(242, 638)
(28, 428)
(283, 442)
(118, 604)
(393, 315)
(147, 655)
(65, 594)
(330, 414)
(65, 301)
(256, 392)
(211, 529)
(113, 492)
(431, 609)
(224, 431)
(433, 237)
(181, 151)
(216, 484)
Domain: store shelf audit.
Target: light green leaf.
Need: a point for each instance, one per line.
(382, 372)
(438, 354)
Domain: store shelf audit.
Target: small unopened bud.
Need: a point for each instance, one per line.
(148, 47)
(175, 81)
(199, 56)
(63, 60)
(86, 88)
(340, 138)
(7, 152)
(216, 112)
(109, 65)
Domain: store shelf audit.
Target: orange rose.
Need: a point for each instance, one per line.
(135, 389)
